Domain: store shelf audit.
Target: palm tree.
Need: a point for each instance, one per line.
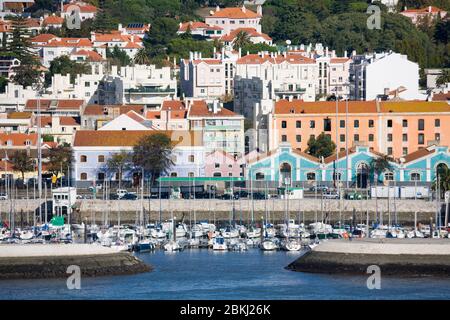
(443, 183)
(242, 39)
(22, 162)
(380, 164)
(142, 57)
(119, 163)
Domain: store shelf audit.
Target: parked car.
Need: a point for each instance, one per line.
(96, 188)
(355, 195)
(129, 196)
(322, 188)
(330, 195)
(3, 196)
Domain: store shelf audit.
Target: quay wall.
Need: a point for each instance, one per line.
(399, 257)
(215, 209)
(54, 264)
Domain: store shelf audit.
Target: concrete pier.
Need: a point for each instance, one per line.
(399, 257)
(51, 261)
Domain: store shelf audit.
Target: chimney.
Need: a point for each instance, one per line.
(429, 9)
(240, 53)
(243, 8)
(259, 10)
(217, 8)
(345, 53)
(386, 91)
(119, 27)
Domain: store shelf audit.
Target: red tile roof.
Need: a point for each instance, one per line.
(199, 108)
(43, 37)
(98, 110)
(417, 154)
(17, 139)
(53, 20)
(110, 138)
(84, 7)
(250, 31)
(441, 96)
(69, 42)
(63, 104)
(235, 13)
(90, 55)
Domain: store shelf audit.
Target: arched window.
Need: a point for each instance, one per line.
(101, 158)
(101, 176)
(389, 176)
(83, 176)
(311, 176)
(83, 158)
(337, 176)
(259, 176)
(415, 176)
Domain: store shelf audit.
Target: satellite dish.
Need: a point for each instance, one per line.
(288, 42)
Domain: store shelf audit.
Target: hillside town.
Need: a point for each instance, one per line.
(130, 130)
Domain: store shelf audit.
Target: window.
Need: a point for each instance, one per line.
(312, 124)
(342, 123)
(405, 151)
(356, 123)
(83, 176)
(421, 138)
(421, 124)
(298, 138)
(342, 137)
(415, 176)
(190, 174)
(389, 137)
(389, 151)
(284, 124)
(217, 174)
(28, 143)
(83, 158)
(191, 158)
(298, 124)
(173, 174)
(311, 176)
(101, 158)
(356, 137)
(437, 136)
(389, 176)
(405, 123)
(283, 138)
(337, 176)
(326, 125)
(259, 176)
(174, 159)
(217, 165)
(389, 123)
(405, 137)
(101, 176)
(437, 123)
(371, 123)
(371, 137)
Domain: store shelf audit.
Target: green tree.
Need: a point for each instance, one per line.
(119, 163)
(118, 57)
(152, 154)
(22, 162)
(59, 159)
(48, 138)
(102, 21)
(380, 164)
(443, 78)
(241, 40)
(322, 146)
(64, 65)
(142, 57)
(442, 180)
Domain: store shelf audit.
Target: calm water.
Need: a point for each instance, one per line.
(204, 274)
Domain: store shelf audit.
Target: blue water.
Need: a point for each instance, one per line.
(204, 274)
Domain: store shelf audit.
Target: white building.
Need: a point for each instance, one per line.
(380, 74)
(139, 84)
(230, 19)
(208, 78)
(85, 10)
(127, 121)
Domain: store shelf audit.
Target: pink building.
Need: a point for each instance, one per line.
(221, 164)
(416, 15)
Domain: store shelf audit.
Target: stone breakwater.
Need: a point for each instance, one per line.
(399, 257)
(51, 261)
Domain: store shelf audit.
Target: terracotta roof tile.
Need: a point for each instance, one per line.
(280, 58)
(235, 13)
(417, 154)
(199, 108)
(17, 139)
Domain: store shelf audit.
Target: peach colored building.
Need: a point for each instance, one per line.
(393, 128)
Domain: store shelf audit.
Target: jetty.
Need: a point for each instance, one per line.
(400, 257)
(33, 261)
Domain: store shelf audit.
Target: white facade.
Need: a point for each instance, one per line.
(379, 74)
(124, 122)
(230, 19)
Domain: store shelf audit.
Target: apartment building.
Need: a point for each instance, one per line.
(392, 128)
(230, 19)
(221, 128)
(382, 74)
(418, 16)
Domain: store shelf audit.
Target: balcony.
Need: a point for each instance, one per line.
(150, 90)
